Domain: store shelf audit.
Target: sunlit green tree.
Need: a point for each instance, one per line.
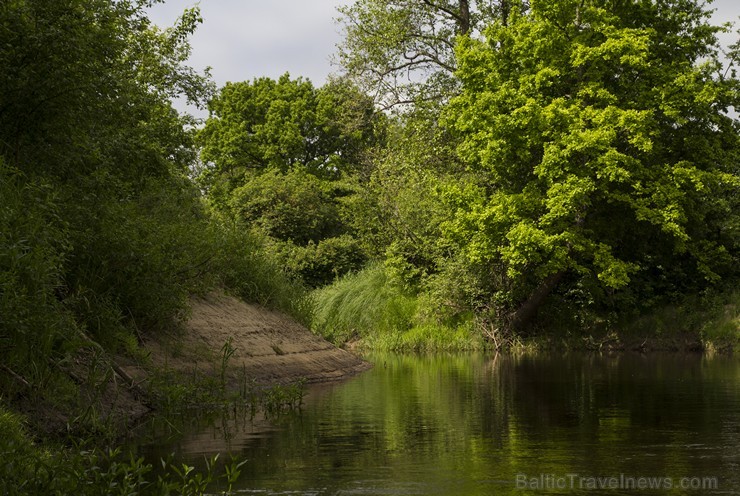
(607, 154)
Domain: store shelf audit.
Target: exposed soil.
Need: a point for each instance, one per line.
(269, 347)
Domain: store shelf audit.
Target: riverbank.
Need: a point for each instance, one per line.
(225, 347)
(370, 311)
(264, 346)
(226, 354)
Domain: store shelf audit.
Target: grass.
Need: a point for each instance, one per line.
(426, 338)
(362, 304)
(721, 331)
(369, 308)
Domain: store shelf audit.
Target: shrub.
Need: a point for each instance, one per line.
(319, 264)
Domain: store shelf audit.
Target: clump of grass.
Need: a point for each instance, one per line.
(722, 330)
(368, 305)
(362, 304)
(427, 338)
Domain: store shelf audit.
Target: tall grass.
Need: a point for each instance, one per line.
(360, 304)
(367, 306)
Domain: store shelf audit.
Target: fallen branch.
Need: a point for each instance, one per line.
(130, 382)
(15, 376)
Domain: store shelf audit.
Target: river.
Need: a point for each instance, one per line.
(479, 424)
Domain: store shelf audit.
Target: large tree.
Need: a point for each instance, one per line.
(403, 51)
(602, 135)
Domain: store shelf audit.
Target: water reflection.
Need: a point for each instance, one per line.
(472, 424)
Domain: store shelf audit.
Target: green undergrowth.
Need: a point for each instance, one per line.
(369, 310)
(426, 338)
(360, 304)
(29, 468)
(86, 459)
(708, 322)
(248, 269)
(711, 320)
(722, 330)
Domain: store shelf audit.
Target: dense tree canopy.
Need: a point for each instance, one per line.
(283, 156)
(605, 150)
(86, 83)
(268, 124)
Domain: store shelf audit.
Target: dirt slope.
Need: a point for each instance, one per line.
(270, 348)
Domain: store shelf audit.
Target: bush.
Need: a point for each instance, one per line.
(247, 268)
(136, 257)
(295, 206)
(34, 245)
(319, 264)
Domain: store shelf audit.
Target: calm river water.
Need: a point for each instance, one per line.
(490, 425)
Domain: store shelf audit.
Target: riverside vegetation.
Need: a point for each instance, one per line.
(555, 173)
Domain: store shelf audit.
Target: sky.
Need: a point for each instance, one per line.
(244, 39)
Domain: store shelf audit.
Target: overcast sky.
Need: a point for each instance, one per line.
(244, 39)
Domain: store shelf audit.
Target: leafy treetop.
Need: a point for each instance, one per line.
(602, 138)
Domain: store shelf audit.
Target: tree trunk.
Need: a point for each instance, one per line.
(523, 316)
(464, 16)
(505, 11)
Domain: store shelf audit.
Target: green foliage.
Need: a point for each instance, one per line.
(245, 266)
(360, 304)
(403, 51)
(319, 264)
(268, 124)
(92, 161)
(283, 157)
(714, 317)
(722, 330)
(26, 468)
(88, 83)
(294, 206)
(102, 235)
(601, 136)
(400, 210)
(143, 256)
(427, 338)
(370, 306)
(34, 245)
